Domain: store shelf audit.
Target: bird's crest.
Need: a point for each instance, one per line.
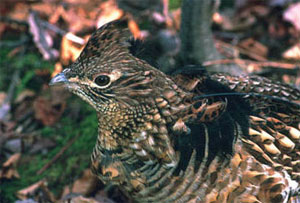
(111, 37)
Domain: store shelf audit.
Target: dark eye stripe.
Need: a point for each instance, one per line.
(100, 93)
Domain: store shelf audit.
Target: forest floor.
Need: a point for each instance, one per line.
(47, 134)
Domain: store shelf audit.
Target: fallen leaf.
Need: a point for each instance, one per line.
(217, 18)
(109, 11)
(25, 94)
(8, 169)
(292, 53)
(81, 199)
(19, 11)
(40, 187)
(85, 185)
(236, 24)
(57, 69)
(292, 14)
(75, 17)
(44, 8)
(173, 21)
(2, 97)
(134, 28)
(254, 46)
(69, 50)
(25, 193)
(9, 173)
(46, 111)
(12, 160)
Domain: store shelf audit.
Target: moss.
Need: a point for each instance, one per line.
(27, 64)
(70, 164)
(5, 70)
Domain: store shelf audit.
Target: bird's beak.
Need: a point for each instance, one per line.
(59, 79)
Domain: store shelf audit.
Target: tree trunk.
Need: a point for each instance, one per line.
(197, 44)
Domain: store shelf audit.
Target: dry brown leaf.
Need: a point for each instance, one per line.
(84, 185)
(48, 195)
(57, 69)
(253, 49)
(2, 97)
(26, 192)
(101, 196)
(75, 17)
(254, 46)
(70, 50)
(30, 191)
(9, 173)
(109, 11)
(47, 111)
(297, 84)
(8, 169)
(81, 199)
(227, 50)
(19, 11)
(44, 8)
(292, 14)
(251, 68)
(24, 95)
(134, 28)
(234, 24)
(12, 160)
(292, 53)
(2, 28)
(286, 79)
(173, 21)
(55, 16)
(217, 18)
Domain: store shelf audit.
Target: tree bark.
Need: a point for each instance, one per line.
(197, 44)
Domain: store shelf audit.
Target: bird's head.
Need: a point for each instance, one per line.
(125, 91)
(107, 74)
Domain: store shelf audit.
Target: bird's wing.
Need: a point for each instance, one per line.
(250, 118)
(272, 113)
(274, 120)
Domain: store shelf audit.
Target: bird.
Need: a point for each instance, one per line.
(187, 136)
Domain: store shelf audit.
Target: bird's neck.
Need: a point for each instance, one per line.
(131, 140)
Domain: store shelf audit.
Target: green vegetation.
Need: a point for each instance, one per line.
(75, 159)
(174, 4)
(27, 64)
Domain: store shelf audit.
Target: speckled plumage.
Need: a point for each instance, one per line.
(189, 136)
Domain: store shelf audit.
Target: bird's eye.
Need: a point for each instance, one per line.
(102, 80)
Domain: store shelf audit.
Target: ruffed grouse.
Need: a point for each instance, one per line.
(191, 136)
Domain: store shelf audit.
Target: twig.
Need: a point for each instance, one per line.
(69, 35)
(58, 155)
(241, 50)
(45, 24)
(42, 39)
(272, 64)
